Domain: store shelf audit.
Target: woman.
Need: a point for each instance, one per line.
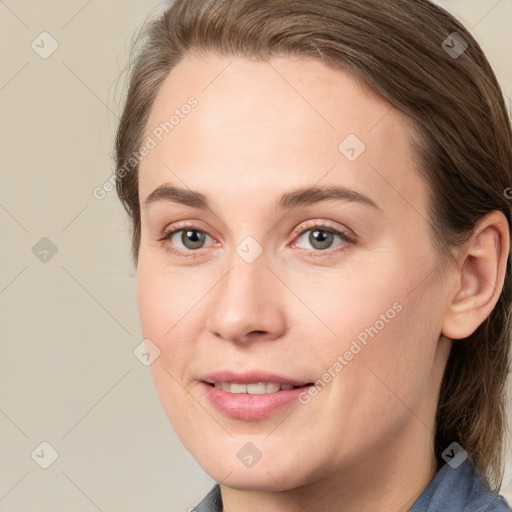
(321, 231)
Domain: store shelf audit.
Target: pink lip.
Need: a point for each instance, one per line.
(243, 405)
(249, 377)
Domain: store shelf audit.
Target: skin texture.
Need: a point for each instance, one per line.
(365, 442)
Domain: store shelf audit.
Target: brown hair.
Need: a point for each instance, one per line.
(462, 139)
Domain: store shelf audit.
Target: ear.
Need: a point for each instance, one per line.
(480, 278)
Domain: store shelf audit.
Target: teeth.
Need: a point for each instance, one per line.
(272, 387)
(237, 388)
(257, 388)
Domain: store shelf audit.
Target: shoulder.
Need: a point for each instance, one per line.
(460, 489)
(212, 502)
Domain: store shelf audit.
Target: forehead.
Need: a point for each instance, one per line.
(263, 127)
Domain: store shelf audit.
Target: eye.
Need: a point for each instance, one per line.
(321, 238)
(190, 237)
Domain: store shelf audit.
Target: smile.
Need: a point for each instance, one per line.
(256, 388)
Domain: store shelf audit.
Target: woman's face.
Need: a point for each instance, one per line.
(264, 279)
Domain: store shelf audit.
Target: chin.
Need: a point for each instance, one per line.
(248, 480)
(262, 476)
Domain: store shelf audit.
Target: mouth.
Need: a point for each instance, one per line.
(254, 388)
(251, 395)
(252, 400)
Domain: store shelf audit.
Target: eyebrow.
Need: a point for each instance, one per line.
(294, 199)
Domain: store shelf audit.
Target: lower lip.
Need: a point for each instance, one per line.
(250, 407)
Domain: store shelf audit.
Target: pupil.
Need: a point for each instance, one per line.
(321, 238)
(192, 239)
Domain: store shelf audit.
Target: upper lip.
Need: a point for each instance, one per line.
(250, 377)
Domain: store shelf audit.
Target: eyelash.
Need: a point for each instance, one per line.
(192, 253)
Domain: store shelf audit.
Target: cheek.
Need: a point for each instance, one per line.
(165, 308)
(165, 298)
(378, 334)
(166, 303)
(385, 372)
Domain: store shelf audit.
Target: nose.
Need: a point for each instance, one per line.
(247, 305)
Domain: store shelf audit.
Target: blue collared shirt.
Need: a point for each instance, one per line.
(452, 490)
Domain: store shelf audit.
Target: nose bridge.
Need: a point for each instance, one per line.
(246, 298)
(248, 272)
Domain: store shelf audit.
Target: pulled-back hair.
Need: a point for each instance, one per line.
(462, 142)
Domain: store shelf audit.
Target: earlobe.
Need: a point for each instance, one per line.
(480, 277)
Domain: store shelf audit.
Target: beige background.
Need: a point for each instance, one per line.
(69, 325)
